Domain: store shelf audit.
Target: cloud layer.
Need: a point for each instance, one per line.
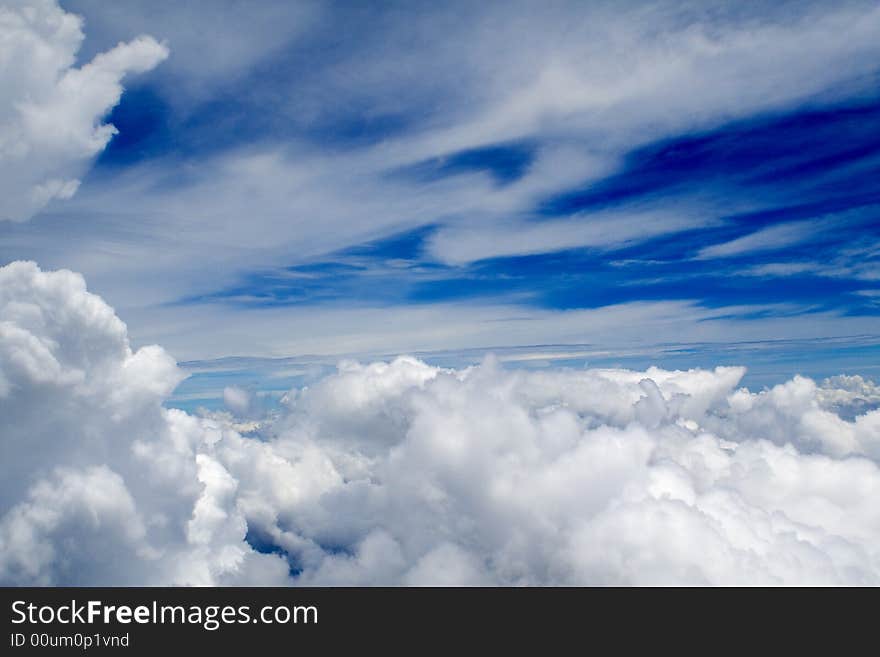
(51, 110)
(402, 473)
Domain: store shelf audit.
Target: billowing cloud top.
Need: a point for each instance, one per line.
(51, 110)
(403, 473)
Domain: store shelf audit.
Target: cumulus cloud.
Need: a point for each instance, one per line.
(237, 400)
(849, 396)
(98, 482)
(51, 113)
(403, 473)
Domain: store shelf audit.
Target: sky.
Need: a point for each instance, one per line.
(331, 178)
(313, 259)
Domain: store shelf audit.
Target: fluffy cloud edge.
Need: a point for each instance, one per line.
(51, 116)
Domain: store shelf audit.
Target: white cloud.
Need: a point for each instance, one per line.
(780, 269)
(849, 395)
(51, 111)
(365, 332)
(586, 90)
(400, 472)
(461, 244)
(248, 35)
(624, 74)
(858, 261)
(766, 239)
(99, 483)
(237, 400)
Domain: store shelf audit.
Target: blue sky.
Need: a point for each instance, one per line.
(340, 179)
(808, 177)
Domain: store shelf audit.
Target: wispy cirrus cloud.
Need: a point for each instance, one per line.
(771, 238)
(525, 154)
